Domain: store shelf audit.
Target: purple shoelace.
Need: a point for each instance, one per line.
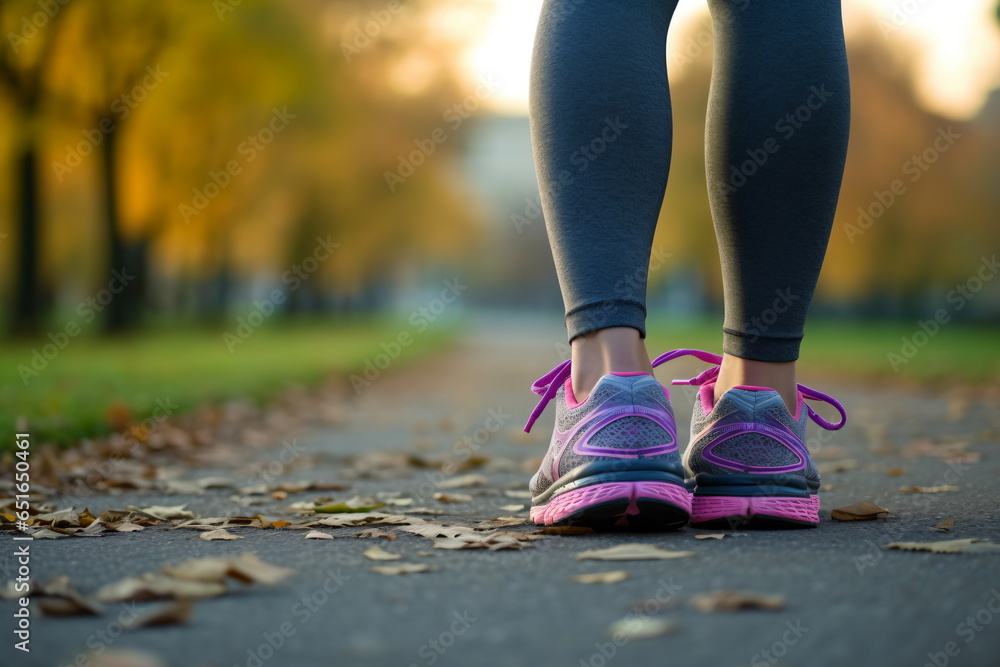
(548, 385)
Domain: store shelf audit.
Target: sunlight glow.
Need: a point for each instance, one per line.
(958, 45)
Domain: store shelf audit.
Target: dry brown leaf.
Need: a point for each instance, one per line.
(729, 600)
(279, 495)
(378, 553)
(641, 627)
(129, 527)
(517, 493)
(60, 598)
(500, 522)
(894, 472)
(112, 518)
(424, 510)
(165, 512)
(122, 658)
(219, 534)
(512, 508)
(710, 536)
(281, 524)
(373, 533)
(173, 613)
(153, 586)
(318, 535)
(944, 525)
(246, 567)
(861, 511)
(928, 489)
(634, 551)
(401, 568)
(85, 518)
(453, 497)
(463, 481)
(44, 533)
(564, 530)
(969, 545)
(610, 577)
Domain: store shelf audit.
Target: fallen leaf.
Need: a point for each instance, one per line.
(60, 598)
(153, 586)
(944, 525)
(129, 527)
(928, 489)
(861, 511)
(969, 545)
(378, 553)
(375, 533)
(424, 510)
(463, 481)
(44, 533)
(281, 524)
(246, 567)
(219, 534)
(516, 493)
(401, 568)
(729, 600)
(344, 508)
(564, 530)
(894, 472)
(641, 627)
(452, 498)
(85, 518)
(172, 613)
(279, 495)
(166, 512)
(633, 551)
(500, 522)
(611, 577)
(709, 536)
(318, 535)
(512, 508)
(121, 658)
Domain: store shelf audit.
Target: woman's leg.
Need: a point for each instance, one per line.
(776, 140)
(601, 132)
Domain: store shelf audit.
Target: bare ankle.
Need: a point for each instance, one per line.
(611, 350)
(779, 376)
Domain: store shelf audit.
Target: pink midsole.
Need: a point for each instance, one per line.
(565, 504)
(710, 508)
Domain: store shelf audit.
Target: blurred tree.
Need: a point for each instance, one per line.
(32, 35)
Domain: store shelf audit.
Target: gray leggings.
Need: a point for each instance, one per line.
(776, 140)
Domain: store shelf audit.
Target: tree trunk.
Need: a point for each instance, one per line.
(27, 313)
(121, 314)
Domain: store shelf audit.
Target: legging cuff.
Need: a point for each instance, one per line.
(760, 348)
(604, 314)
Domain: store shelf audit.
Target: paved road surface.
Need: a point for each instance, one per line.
(848, 601)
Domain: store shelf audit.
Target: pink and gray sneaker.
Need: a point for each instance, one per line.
(747, 458)
(613, 460)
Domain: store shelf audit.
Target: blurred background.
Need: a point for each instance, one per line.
(199, 199)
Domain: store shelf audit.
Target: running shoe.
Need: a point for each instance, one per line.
(747, 458)
(613, 459)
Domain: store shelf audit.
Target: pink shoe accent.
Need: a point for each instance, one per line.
(565, 504)
(712, 508)
(707, 396)
(570, 396)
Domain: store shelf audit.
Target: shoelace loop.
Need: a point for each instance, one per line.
(548, 385)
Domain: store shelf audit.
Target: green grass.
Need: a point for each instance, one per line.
(69, 399)
(958, 353)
